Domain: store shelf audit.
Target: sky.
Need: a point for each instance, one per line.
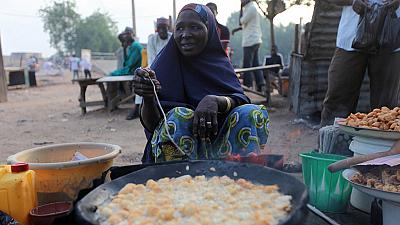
(21, 28)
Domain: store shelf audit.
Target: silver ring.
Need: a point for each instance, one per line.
(209, 123)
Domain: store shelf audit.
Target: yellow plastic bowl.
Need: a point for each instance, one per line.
(60, 179)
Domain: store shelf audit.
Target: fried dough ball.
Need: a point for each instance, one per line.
(379, 119)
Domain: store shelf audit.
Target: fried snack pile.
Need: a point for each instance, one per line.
(379, 119)
(384, 178)
(198, 200)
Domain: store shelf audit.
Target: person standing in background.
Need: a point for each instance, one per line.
(156, 42)
(223, 31)
(275, 58)
(87, 68)
(347, 69)
(74, 66)
(272, 73)
(251, 41)
(32, 65)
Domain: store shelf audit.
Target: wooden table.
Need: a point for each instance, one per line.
(113, 102)
(83, 84)
(110, 79)
(118, 100)
(251, 69)
(266, 76)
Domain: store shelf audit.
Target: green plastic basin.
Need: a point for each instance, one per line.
(329, 192)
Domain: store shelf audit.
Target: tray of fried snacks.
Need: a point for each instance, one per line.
(373, 184)
(383, 123)
(380, 175)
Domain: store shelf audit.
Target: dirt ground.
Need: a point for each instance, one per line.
(49, 114)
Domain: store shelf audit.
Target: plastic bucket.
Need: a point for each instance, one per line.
(365, 146)
(329, 192)
(60, 179)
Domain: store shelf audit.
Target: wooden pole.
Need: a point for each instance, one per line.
(133, 18)
(173, 13)
(170, 26)
(3, 84)
(296, 38)
(299, 35)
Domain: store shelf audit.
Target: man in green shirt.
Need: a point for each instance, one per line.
(132, 54)
(132, 51)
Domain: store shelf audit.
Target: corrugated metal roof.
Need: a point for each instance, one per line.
(323, 30)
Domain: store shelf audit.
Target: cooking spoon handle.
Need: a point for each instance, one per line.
(346, 163)
(321, 215)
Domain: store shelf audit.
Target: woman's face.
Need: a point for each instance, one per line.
(191, 34)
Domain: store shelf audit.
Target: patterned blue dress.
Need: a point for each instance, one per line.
(244, 131)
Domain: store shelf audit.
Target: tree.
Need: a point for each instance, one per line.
(98, 33)
(60, 21)
(274, 7)
(69, 33)
(284, 36)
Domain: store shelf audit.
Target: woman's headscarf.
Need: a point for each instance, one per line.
(186, 81)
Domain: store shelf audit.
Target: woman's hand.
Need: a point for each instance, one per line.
(142, 83)
(205, 121)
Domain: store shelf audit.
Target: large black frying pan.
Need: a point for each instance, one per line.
(86, 208)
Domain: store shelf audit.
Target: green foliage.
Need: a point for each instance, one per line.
(98, 33)
(284, 39)
(274, 7)
(271, 8)
(288, 3)
(60, 21)
(69, 33)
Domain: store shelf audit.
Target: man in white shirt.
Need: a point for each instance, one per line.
(155, 44)
(251, 41)
(87, 68)
(348, 67)
(74, 66)
(158, 40)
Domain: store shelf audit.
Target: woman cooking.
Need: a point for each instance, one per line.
(209, 117)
